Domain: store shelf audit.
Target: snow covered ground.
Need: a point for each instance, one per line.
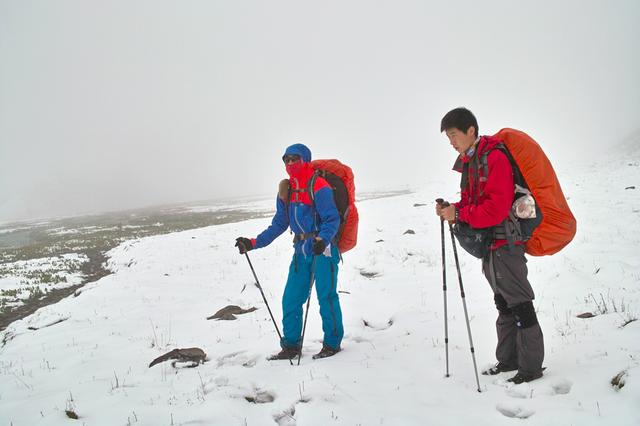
(23, 279)
(90, 354)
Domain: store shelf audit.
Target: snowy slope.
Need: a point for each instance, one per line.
(90, 354)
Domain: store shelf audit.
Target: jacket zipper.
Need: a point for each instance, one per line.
(295, 214)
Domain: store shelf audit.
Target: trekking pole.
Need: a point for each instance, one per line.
(304, 327)
(464, 303)
(265, 299)
(440, 201)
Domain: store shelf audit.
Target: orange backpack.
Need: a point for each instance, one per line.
(558, 226)
(340, 178)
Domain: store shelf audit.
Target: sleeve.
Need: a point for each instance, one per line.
(279, 224)
(329, 216)
(498, 195)
(463, 200)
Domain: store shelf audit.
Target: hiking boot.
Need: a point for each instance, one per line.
(285, 353)
(497, 369)
(326, 352)
(522, 378)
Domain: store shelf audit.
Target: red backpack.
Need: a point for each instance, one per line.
(558, 225)
(340, 177)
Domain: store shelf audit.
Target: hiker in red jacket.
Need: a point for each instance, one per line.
(487, 195)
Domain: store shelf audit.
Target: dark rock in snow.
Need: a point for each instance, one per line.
(194, 355)
(409, 231)
(618, 380)
(229, 313)
(586, 315)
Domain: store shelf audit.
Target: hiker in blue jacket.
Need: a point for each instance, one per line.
(314, 223)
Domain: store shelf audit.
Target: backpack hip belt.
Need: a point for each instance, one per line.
(301, 237)
(508, 230)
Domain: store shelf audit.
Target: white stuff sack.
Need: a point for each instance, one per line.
(525, 206)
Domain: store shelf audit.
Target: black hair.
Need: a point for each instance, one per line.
(459, 118)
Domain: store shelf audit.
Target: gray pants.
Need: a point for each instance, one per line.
(520, 340)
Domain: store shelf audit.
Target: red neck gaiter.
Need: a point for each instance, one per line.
(300, 172)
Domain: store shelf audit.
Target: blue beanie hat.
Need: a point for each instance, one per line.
(299, 149)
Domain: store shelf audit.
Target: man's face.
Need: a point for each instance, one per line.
(293, 163)
(461, 141)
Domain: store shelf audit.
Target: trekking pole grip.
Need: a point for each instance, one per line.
(442, 203)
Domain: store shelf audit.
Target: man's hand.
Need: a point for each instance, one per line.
(447, 213)
(319, 246)
(243, 244)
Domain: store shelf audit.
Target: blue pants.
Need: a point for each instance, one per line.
(297, 291)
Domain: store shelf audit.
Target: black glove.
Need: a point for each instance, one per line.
(318, 247)
(243, 244)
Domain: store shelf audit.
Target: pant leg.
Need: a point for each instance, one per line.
(530, 350)
(293, 299)
(510, 281)
(327, 291)
(506, 329)
(507, 348)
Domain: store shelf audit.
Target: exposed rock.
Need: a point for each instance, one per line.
(195, 355)
(619, 380)
(229, 313)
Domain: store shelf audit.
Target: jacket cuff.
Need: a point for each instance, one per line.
(253, 242)
(462, 215)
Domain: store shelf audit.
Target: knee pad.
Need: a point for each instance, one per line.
(501, 304)
(525, 315)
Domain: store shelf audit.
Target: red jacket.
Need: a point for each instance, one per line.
(485, 201)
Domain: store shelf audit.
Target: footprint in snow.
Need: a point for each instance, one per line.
(378, 326)
(369, 274)
(561, 387)
(514, 411)
(522, 391)
(530, 390)
(260, 397)
(285, 418)
(358, 339)
(238, 358)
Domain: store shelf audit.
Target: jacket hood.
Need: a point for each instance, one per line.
(299, 149)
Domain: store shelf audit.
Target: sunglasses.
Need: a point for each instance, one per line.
(291, 158)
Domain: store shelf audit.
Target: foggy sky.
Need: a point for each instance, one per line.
(108, 105)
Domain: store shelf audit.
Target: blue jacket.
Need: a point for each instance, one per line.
(304, 216)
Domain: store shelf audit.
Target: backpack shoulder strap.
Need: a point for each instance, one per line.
(310, 185)
(284, 192)
(518, 179)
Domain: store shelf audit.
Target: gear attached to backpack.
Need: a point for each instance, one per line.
(340, 177)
